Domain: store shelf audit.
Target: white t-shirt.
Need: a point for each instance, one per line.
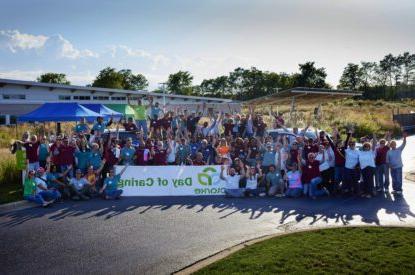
(79, 184)
(252, 183)
(232, 182)
(39, 181)
(172, 155)
(324, 165)
(352, 158)
(367, 158)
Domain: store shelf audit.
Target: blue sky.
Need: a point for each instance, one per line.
(208, 38)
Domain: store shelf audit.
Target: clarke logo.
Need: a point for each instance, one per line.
(209, 176)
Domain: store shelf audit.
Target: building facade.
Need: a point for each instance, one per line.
(19, 97)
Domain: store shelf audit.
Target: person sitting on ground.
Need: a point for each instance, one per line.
(110, 189)
(79, 187)
(29, 190)
(253, 175)
(49, 194)
(93, 176)
(232, 189)
(274, 182)
(394, 161)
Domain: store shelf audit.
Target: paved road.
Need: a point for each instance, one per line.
(159, 235)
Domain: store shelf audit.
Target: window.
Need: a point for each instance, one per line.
(118, 98)
(13, 119)
(101, 98)
(81, 97)
(2, 119)
(64, 97)
(14, 96)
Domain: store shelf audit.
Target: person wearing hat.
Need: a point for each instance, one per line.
(42, 188)
(79, 186)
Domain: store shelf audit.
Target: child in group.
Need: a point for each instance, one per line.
(109, 189)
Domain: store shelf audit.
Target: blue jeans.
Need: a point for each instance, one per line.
(367, 175)
(35, 198)
(142, 125)
(294, 192)
(48, 195)
(396, 174)
(113, 194)
(314, 190)
(255, 191)
(382, 176)
(235, 193)
(338, 174)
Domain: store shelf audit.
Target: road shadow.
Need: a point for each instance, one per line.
(337, 210)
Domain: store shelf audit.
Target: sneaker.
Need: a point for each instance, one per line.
(262, 194)
(398, 192)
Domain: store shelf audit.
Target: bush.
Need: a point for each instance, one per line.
(9, 174)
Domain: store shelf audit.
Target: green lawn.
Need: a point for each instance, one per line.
(342, 250)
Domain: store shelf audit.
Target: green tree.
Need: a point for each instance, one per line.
(55, 78)
(123, 79)
(351, 78)
(133, 82)
(408, 67)
(109, 78)
(180, 83)
(311, 77)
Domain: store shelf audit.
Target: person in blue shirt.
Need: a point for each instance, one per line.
(43, 151)
(127, 153)
(82, 157)
(110, 189)
(81, 127)
(95, 158)
(207, 151)
(194, 146)
(99, 127)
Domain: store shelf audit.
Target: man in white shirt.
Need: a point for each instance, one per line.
(79, 186)
(232, 179)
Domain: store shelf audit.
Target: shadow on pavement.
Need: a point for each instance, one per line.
(337, 210)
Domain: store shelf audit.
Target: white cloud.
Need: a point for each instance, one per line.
(21, 75)
(123, 51)
(56, 45)
(14, 40)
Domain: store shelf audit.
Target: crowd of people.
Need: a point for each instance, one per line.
(80, 165)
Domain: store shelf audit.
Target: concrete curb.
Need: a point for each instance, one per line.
(15, 205)
(192, 268)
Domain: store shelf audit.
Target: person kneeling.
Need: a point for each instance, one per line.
(109, 189)
(232, 189)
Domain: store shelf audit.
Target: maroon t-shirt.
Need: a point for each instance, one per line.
(310, 171)
(228, 128)
(54, 149)
(109, 156)
(130, 127)
(160, 157)
(139, 152)
(310, 149)
(198, 162)
(32, 152)
(66, 154)
(381, 155)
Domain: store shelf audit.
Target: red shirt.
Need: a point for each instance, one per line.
(109, 156)
(310, 171)
(198, 162)
(55, 154)
(228, 128)
(139, 152)
(130, 127)
(381, 155)
(160, 157)
(32, 152)
(66, 154)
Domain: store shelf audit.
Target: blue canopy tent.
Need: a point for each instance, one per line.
(103, 110)
(59, 112)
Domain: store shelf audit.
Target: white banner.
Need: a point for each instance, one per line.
(171, 180)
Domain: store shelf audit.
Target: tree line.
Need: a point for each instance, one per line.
(389, 78)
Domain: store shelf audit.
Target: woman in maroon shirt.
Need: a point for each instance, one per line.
(311, 177)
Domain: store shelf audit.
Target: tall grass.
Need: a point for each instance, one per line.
(9, 174)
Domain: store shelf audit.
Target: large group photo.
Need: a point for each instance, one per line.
(207, 137)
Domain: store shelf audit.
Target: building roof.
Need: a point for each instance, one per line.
(51, 86)
(319, 94)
